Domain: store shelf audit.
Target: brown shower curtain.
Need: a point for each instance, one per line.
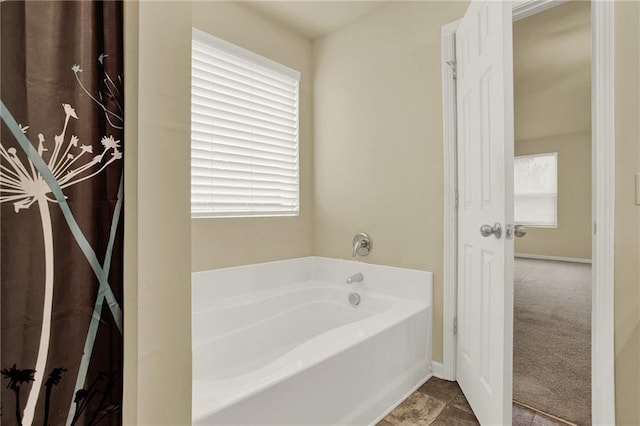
(61, 212)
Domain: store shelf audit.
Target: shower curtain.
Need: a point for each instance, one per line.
(61, 212)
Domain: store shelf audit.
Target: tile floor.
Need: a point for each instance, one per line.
(440, 402)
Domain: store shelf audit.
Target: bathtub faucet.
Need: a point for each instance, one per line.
(355, 278)
(361, 244)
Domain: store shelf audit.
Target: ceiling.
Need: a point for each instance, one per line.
(313, 19)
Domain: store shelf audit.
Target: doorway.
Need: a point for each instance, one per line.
(603, 140)
(552, 198)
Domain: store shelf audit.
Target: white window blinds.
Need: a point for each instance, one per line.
(244, 132)
(536, 189)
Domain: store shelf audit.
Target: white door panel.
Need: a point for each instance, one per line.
(485, 180)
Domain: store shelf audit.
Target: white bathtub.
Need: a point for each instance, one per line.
(279, 344)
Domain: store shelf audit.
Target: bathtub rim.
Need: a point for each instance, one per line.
(265, 275)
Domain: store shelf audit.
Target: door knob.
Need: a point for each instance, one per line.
(519, 231)
(495, 230)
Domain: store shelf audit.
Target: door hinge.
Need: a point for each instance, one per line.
(457, 198)
(594, 228)
(455, 326)
(453, 67)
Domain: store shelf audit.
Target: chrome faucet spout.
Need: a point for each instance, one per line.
(355, 278)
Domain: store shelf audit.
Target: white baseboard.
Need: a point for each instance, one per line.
(437, 369)
(556, 258)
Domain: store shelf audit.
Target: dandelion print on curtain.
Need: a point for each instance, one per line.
(61, 212)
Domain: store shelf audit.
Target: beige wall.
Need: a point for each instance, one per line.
(158, 285)
(164, 270)
(130, 367)
(627, 220)
(378, 139)
(572, 237)
(552, 106)
(226, 241)
(552, 74)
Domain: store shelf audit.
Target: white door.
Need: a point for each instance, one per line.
(484, 60)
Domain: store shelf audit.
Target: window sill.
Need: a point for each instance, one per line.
(280, 215)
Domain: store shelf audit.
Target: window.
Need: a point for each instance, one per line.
(536, 189)
(244, 132)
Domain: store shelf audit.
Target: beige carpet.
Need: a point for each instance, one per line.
(552, 338)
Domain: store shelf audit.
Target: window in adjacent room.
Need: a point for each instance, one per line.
(536, 189)
(244, 132)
